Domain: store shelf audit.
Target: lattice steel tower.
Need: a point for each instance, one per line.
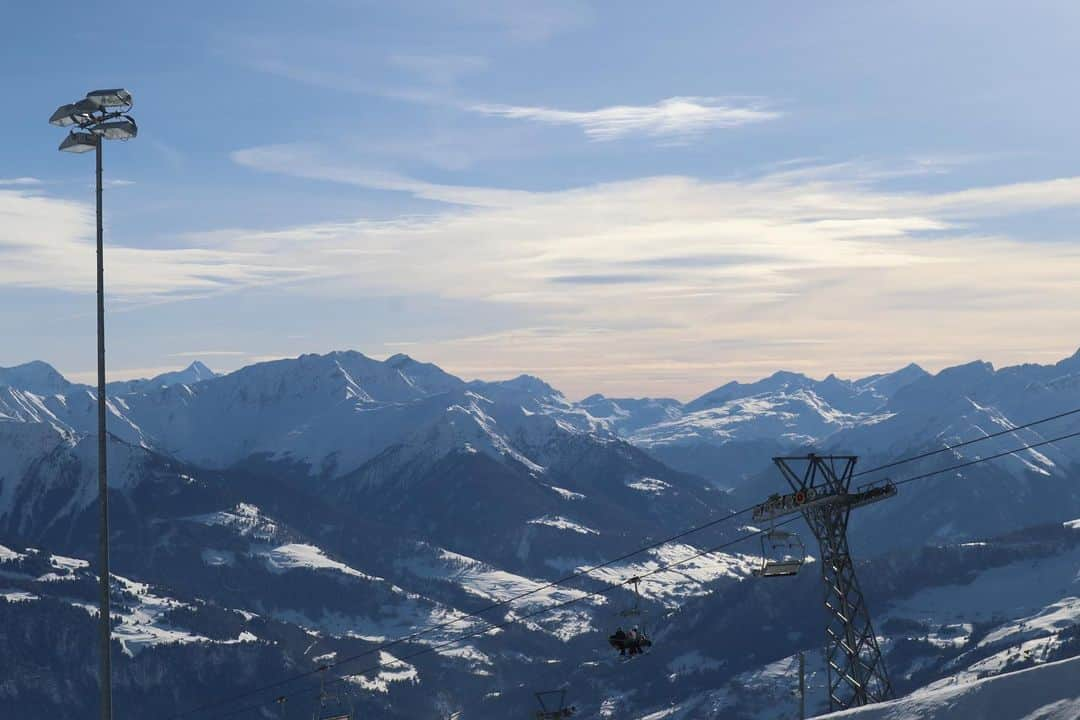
(821, 488)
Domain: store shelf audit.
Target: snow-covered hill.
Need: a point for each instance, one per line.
(945, 616)
(1049, 692)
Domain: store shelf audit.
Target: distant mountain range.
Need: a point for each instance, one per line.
(298, 508)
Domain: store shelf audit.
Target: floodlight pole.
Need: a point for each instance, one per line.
(105, 624)
(102, 115)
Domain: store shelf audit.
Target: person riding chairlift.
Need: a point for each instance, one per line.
(618, 641)
(629, 643)
(633, 640)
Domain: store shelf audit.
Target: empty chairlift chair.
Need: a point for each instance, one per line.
(553, 705)
(782, 554)
(332, 706)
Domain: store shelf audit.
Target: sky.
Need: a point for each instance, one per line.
(631, 198)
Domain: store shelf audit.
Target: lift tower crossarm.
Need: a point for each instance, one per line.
(792, 503)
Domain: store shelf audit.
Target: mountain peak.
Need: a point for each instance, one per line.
(335, 355)
(976, 369)
(888, 384)
(787, 375)
(193, 373)
(530, 383)
(523, 386)
(35, 376)
(400, 360)
(196, 372)
(779, 380)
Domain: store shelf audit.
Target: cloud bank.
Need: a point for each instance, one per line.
(665, 278)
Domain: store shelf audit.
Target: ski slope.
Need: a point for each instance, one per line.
(1047, 692)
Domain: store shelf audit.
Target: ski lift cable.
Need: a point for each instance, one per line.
(651, 546)
(931, 453)
(996, 456)
(493, 626)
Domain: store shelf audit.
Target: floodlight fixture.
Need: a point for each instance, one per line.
(123, 128)
(79, 113)
(64, 116)
(79, 142)
(118, 97)
(86, 106)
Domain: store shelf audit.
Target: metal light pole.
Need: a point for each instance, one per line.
(98, 119)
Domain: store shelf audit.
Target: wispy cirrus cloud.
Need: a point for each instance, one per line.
(438, 70)
(316, 163)
(47, 242)
(20, 181)
(676, 118)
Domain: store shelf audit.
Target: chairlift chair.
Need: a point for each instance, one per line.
(782, 554)
(553, 705)
(634, 614)
(332, 706)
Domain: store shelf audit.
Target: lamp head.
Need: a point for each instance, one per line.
(64, 116)
(76, 113)
(117, 97)
(86, 106)
(123, 128)
(79, 142)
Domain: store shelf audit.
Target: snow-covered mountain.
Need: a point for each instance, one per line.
(193, 373)
(721, 434)
(301, 510)
(35, 377)
(370, 433)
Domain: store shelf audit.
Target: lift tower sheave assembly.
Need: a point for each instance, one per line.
(821, 492)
